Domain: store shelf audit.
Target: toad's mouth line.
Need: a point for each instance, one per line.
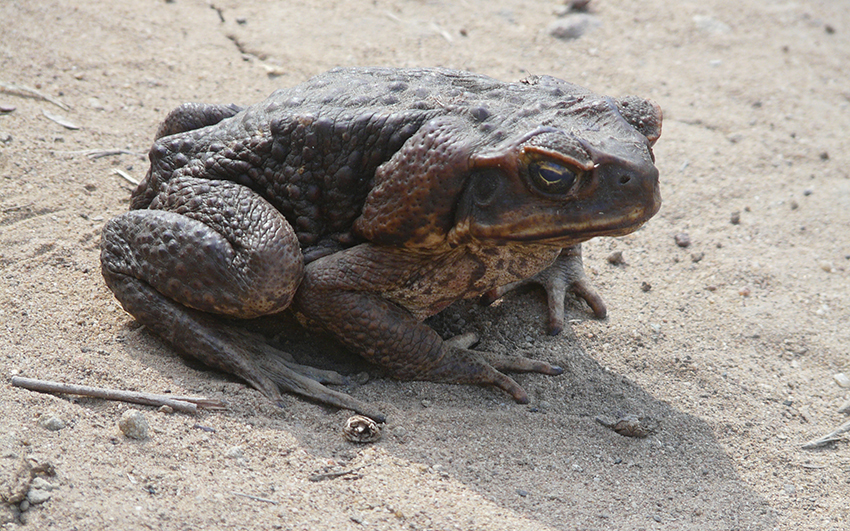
(530, 231)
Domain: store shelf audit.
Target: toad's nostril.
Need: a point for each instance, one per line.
(624, 179)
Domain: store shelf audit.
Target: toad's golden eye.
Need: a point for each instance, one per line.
(551, 178)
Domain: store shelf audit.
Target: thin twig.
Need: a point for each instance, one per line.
(28, 92)
(828, 438)
(255, 498)
(124, 175)
(178, 403)
(98, 153)
(333, 475)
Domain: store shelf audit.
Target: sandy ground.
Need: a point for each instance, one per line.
(731, 352)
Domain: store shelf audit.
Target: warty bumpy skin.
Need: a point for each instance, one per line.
(367, 199)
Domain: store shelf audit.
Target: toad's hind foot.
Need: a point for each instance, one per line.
(214, 342)
(461, 365)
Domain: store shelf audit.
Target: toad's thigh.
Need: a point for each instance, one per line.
(211, 245)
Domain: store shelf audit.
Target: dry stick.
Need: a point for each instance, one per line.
(828, 438)
(256, 498)
(29, 92)
(124, 175)
(178, 403)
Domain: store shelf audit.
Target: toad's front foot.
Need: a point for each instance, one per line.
(566, 273)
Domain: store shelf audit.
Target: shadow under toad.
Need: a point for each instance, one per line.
(551, 460)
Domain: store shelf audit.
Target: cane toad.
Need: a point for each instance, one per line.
(366, 200)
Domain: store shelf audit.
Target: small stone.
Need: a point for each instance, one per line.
(36, 496)
(25, 505)
(790, 489)
(735, 218)
(165, 409)
(43, 484)
(133, 424)
(361, 429)
(425, 402)
(682, 239)
(696, 257)
(573, 26)
(629, 425)
(711, 25)
(842, 380)
(5, 107)
(826, 266)
(744, 292)
(645, 286)
(794, 205)
(49, 422)
(615, 258)
(824, 155)
(234, 452)
(544, 405)
(808, 191)
(523, 493)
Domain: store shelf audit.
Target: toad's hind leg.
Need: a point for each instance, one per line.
(190, 116)
(211, 247)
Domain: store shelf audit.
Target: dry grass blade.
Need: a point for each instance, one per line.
(828, 438)
(29, 92)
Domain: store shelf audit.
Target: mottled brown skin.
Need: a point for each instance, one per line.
(366, 200)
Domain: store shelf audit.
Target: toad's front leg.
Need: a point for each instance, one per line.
(565, 274)
(341, 294)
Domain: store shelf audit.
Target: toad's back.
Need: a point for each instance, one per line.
(312, 150)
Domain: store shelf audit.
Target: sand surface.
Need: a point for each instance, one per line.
(731, 353)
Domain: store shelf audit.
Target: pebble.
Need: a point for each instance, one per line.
(711, 25)
(360, 429)
(573, 26)
(615, 258)
(826, 266)
(234, 452)
(133, 424)
(682, 239)
(49, 422)
(522, 492)
(425, 402)
(735, 218)
(696, 257)
(842, 380)
(5, 107)
(36, 496)
(43, 484)
(645, 286)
